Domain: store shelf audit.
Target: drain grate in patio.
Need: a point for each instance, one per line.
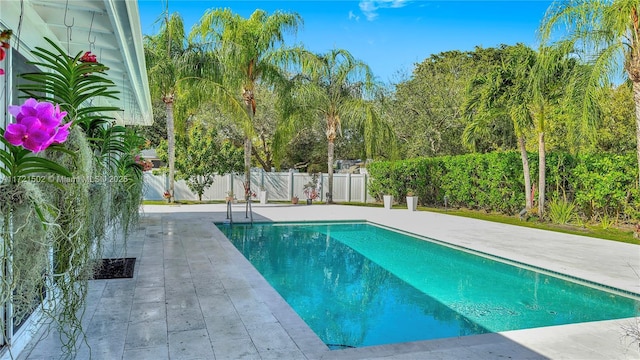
(119, 268)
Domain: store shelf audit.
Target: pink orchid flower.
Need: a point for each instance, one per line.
(37, 125)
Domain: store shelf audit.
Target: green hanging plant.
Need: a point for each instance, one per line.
(27, 221)
(27, 227)
(76, 82)
(110, 147)
(73, 255)
(127, 195)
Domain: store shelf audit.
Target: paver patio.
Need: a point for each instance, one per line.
(194, 296)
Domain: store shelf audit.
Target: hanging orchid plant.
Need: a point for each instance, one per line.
(24, 210)
(96, 149)
(60, 114)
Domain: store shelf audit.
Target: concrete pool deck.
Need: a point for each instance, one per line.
(194, 296)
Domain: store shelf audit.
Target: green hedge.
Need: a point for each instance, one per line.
(597, 184)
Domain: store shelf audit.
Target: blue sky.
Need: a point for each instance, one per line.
(389, 35)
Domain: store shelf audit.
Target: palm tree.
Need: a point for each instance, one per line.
(174, 67)
(528, 87)
(334, 87)
(503, 91)
(552, 80)
(607, 32)
(522, 62)
(250, 52)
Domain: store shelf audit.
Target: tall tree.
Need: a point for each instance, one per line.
(531, 89)
(427, 109)
(336, 87)
(174, 65)
(503, 91)
(250, 50)
(616, 129)
(552, 80)
(265, 124)
(607, 33)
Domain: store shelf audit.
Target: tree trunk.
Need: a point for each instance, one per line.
(171, 143)
(527, 174)
(247, 167)
(542, 174)
(332, 132)
(250, 107)
(636, 99)
(633, 70)
(330, 149)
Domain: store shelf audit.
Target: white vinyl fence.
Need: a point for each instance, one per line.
(280, 186)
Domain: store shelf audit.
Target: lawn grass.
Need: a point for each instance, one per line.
(596, 231)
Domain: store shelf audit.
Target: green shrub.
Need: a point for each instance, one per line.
(606, 184)
(596, 184)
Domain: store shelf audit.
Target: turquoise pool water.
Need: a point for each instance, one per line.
(357, 284)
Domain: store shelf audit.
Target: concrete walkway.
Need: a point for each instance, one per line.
(194, 296)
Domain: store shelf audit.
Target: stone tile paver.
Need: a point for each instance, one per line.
(190, 344)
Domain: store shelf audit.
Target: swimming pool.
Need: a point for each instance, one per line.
(357, 284)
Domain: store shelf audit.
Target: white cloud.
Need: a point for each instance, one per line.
(353, 16)
(369, 7)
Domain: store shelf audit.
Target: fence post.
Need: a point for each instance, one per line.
(348, 187)
(363, 192)
(290, 185)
